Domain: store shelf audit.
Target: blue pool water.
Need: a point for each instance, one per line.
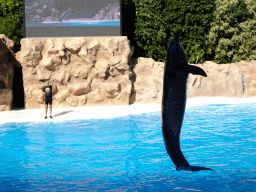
(128, 153)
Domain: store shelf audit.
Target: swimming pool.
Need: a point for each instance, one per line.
(128, 154)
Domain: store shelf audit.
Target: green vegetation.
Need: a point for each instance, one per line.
(232, 34)
(219, 30)
(11, 20)
(159, 20)
(151, 28)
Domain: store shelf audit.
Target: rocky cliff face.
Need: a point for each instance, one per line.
(87, 71)
(91, 71)
(148, 85)
(6, 72)
(224, 80)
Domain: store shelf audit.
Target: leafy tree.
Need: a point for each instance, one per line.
(11, 20)
(158, 21)
(191, 19)
(232, 35)
(219, 30)
(150, 28)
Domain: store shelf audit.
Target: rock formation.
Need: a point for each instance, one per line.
(6, 72)
(224, 80)
(148, 85)
(87, 70)
(93, 71)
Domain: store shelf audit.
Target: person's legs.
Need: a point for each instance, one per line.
(46, 106)
(51, 111)
(50, 103)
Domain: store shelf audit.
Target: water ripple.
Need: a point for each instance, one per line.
(128, 153)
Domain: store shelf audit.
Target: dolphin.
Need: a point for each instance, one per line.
(174, 100)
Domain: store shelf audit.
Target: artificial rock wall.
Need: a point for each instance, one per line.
(223, 80)
(6, 72)
(91, 71)
(88, 71)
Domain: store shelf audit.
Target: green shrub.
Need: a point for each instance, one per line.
(11, 20)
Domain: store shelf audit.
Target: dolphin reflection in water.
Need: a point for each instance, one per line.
(174, 100)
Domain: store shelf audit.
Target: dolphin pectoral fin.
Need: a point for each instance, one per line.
(193, 168)
(195, 70)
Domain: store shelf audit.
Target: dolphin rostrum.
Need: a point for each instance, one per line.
(174, 100)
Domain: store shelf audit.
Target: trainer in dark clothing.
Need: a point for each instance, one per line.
(48, 98)
(48, 94)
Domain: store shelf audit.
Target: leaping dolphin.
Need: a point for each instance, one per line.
(174, 100)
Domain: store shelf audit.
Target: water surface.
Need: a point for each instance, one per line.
(128, 154)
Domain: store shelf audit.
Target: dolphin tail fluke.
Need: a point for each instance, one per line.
(196, 70)
(193, 168)
(198, 168)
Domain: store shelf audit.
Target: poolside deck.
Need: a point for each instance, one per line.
(72, 113)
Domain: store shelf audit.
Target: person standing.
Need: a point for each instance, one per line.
(48, 98)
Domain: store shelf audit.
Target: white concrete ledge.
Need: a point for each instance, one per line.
(73, 113)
